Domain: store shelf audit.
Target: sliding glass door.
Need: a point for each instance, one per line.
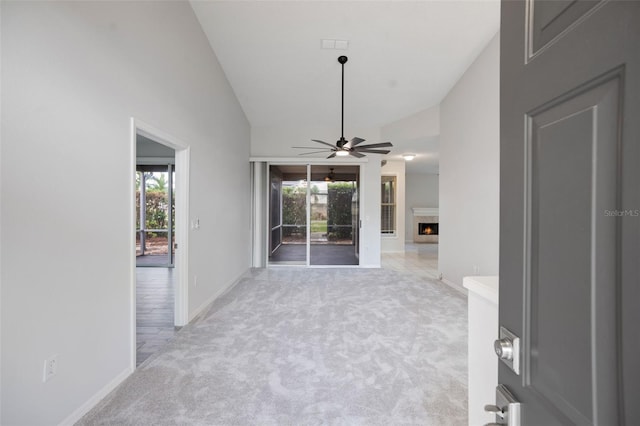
(313, 214)
(334, 219)
(288, 215)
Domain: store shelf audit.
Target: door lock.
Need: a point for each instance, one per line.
(507, 347)
(504, 348)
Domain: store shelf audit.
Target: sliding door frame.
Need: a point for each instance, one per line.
(267, 216)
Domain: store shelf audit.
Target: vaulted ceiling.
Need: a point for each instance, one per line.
(404, 56)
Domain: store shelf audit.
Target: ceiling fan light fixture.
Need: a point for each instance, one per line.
(330, 176)
(409, 157)
(342, 153)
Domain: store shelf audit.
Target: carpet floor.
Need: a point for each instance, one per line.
(308, 347)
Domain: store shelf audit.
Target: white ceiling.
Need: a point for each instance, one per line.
(404, 57)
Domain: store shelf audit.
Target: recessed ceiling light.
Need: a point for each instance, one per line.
(409, 157)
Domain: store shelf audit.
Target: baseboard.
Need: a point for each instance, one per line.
(455, 286)
(217, 294)
(96, 398)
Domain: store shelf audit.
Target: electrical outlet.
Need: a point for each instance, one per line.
(476, 269)
(50, 368)
(195, 281)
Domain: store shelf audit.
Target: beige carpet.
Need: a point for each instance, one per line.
(308, 347)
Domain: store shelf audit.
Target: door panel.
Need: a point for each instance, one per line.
(548, 20)
(565, 211)
(570, 208)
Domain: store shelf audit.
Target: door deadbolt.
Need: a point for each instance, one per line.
(507, 347)
(504, 348)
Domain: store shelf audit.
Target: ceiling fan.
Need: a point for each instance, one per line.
(344, 147)
(331, 176)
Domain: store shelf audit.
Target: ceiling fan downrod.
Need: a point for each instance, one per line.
(343, 60)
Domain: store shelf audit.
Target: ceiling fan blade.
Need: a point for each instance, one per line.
(378, 145)
(314, 152)
(356, 154)
(323, 142)
(373, 151)
(332, 155)
(355, 141)
(310, 147)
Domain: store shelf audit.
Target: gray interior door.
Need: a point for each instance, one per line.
(570, 207)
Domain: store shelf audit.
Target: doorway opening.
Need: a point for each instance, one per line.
(160, 172)
(155, 231)
(313, 215)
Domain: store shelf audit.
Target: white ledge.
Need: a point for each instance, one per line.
(425, 211)
(485, 286)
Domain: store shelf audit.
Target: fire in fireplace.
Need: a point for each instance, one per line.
(428, 228)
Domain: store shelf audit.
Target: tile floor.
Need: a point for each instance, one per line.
(419, 259)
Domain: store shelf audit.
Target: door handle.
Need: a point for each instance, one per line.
(506, 408)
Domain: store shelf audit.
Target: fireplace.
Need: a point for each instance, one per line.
(427, 228)
(425, 225)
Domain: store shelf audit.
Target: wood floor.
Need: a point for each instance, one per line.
(154, 308)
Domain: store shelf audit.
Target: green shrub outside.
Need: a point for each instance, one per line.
(339, 196)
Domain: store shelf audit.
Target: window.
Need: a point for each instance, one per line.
(388, 205)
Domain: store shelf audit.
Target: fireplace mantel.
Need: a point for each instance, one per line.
(425, 211)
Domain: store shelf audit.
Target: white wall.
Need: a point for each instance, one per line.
(370, 213)
(73, 75)
(469, 171)
(395, 243)
(422, 190)
(421, 125)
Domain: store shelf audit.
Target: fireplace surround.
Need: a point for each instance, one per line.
(425, 225)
